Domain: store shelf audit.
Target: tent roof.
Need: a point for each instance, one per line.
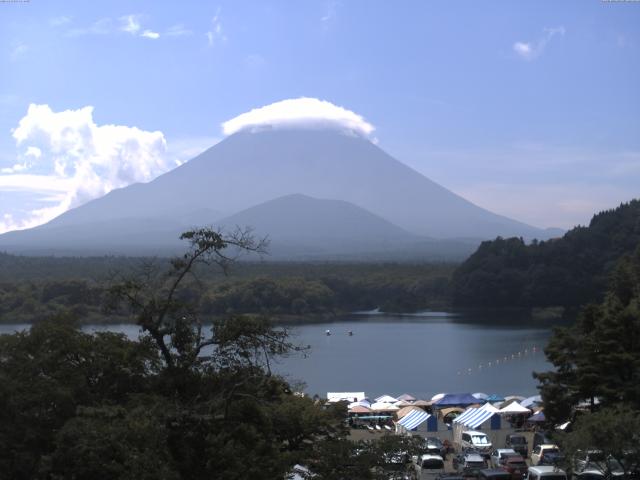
(359, 409)
(422, 403)
(528, 402)
(404, 411)
(362, 403)
(474, 417)
(494, 397)
(447, 411)
(402, 403)
(383, 406)
(538, 417)
(456, 399)
(471, 414)
(413, 419)
(386, 399)
(481, 396)
(514, 407)
(514, 397)
(406, 397)
(345, 396)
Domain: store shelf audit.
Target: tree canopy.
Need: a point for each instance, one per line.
(189, 399)
(569, 271)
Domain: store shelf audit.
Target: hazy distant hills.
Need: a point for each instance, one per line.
(350, 198)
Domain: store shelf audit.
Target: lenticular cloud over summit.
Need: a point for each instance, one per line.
(299, 112)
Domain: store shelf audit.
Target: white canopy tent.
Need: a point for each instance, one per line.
(384, 407)
(386, 399)
(345, 396)
(515, 408)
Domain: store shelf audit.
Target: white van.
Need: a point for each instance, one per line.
(546, 472)
(474, 440)
(428, 466)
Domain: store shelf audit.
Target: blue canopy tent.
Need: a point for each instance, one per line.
(538, 417)
(495, 398)
(456, 400)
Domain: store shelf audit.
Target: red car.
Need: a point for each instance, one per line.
(516, 466)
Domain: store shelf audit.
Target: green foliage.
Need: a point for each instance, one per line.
(183, 402)
(50, 371)
(278, 289)
(614, 432)
(598, 357)
(569, 271)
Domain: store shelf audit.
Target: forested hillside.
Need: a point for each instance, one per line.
(567, 271)
(33, 289)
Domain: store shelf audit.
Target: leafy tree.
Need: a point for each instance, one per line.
(47, 373)
(568, 271)
(599, 357)
(614, 432)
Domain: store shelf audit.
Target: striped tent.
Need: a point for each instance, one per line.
(413, 419)
(473, 417)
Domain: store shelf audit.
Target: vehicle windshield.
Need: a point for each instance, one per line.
(479, 440)
(432, 464)
(554, 477)
(551, 450)
(518, 441)
(475, 464)
(517, 464)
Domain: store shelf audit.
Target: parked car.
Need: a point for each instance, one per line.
(540, 438)
(545, 454)
(428, 466)
(434, 446)
(595, 460)
(494, 474)
(589, 475)
(518, 442)
(474, 440)
(469, 460)
(516, 466)
(546, 472)
(499, 454)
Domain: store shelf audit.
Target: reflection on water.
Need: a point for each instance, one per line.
(422, 354)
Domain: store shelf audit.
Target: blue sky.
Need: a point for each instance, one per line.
(530, 109)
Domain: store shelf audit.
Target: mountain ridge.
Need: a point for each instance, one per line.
(249, 168)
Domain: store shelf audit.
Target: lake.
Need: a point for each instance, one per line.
(422, 354)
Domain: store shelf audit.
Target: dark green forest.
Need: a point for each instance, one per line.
(184, 401)
(595, 383)
(568, 271)
(34, 288)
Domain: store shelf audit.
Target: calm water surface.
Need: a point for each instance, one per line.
(419, 354)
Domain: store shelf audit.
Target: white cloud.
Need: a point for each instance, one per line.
(305, 112)
(332, 10)
(216, 34)
(18, 50)
(178, 30)
(68, 153)
(532, 50)
(150, 34)
(130, 24)
(59, 21)
(102, 26)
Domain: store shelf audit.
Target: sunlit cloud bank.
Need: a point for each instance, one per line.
(68, 159)
(299, 112)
